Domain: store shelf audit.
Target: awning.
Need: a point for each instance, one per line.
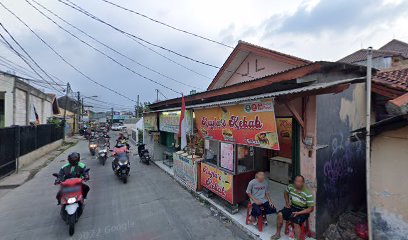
(314, 89)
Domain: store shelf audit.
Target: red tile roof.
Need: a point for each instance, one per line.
(361, 55)
(396, 46)
(396, 78)
(393, 48)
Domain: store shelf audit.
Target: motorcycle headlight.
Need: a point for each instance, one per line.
(93, 145)
(71, 200)
(123, 163)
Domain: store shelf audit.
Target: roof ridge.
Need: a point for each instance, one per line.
(271, 50)
(394, 40)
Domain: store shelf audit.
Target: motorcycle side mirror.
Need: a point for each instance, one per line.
(55, 174)
(87, 170)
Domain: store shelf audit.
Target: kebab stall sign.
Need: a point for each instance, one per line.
(251, 124)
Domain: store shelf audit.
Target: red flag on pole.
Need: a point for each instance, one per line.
(183, 124)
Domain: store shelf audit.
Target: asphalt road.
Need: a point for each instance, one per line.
(150, 206)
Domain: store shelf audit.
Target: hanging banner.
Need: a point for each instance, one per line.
(250, 124)
(284, 126)
(217, 181)
(170, 121)
(150, 121)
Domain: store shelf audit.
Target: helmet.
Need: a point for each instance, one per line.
(74, 158)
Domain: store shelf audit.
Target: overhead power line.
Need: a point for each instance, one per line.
(103, 53)
(130, 36)
(66, 61)
(137, 37)
(28, 71)
(22, 70)
(104, 44)
(167, 25)
(11, 47)
(139, 40)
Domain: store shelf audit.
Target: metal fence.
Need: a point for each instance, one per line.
(19, 140)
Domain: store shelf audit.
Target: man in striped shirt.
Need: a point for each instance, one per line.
(299, 204)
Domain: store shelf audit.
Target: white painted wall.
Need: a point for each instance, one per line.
(6, 86)
(21, 107)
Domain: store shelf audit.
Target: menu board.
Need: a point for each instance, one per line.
(227, 156)
(284, 126)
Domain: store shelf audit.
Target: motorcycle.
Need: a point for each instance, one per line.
(121, 166)
(72, 201)
(103, 154)
(92, 147)
(144, 155)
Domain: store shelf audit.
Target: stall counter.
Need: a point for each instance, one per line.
(228, 186)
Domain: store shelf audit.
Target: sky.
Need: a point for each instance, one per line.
(314, 30)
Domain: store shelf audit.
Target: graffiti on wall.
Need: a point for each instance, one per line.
(340, 168)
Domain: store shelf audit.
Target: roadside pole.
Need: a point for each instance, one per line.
(79, 109)
(65, 109)
(368, 143)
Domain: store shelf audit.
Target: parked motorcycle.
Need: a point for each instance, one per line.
(144, 155)
(72, 201)
(121, 166)
(92, 147)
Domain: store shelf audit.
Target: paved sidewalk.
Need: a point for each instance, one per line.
(28, 172)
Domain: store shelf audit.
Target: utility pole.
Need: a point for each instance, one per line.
(368, 140)
(111, 116)
(157, 95)
(137, 107)
(65, 107)
(78, 109)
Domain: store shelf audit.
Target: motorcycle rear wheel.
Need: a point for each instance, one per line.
(124, 179)
(71, 223)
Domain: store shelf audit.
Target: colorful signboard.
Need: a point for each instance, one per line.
(185, 171)
(227, 156)
(284, 127)
(217, 181)
(150, 121)
(169, 121)
(250, 124)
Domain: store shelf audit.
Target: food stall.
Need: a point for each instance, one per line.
(238, 139)
(187, 169)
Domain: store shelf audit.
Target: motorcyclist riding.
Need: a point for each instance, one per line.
(73, 169)
(118, 149)
(122, 139)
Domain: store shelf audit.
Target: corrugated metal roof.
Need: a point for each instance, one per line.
(319, 86)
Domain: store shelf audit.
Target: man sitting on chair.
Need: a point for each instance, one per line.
(299, 204)
(258, 193)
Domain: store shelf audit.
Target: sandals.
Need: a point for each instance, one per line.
(274, 237)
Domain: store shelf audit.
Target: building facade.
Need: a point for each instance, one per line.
(18, 100)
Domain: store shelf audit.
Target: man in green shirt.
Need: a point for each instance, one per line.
(299, 204)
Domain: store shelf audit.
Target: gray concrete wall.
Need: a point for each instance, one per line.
(36, 154)
(340, 163)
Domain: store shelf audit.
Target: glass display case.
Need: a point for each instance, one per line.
(229, 157)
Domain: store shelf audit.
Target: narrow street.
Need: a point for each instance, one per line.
(150, 206)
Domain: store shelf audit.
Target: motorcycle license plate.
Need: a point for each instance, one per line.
(124, 171)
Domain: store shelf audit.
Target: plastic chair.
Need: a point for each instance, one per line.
(304, 229)
(259, 220)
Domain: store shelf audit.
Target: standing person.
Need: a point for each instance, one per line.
(258, 193)
(299, 204)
